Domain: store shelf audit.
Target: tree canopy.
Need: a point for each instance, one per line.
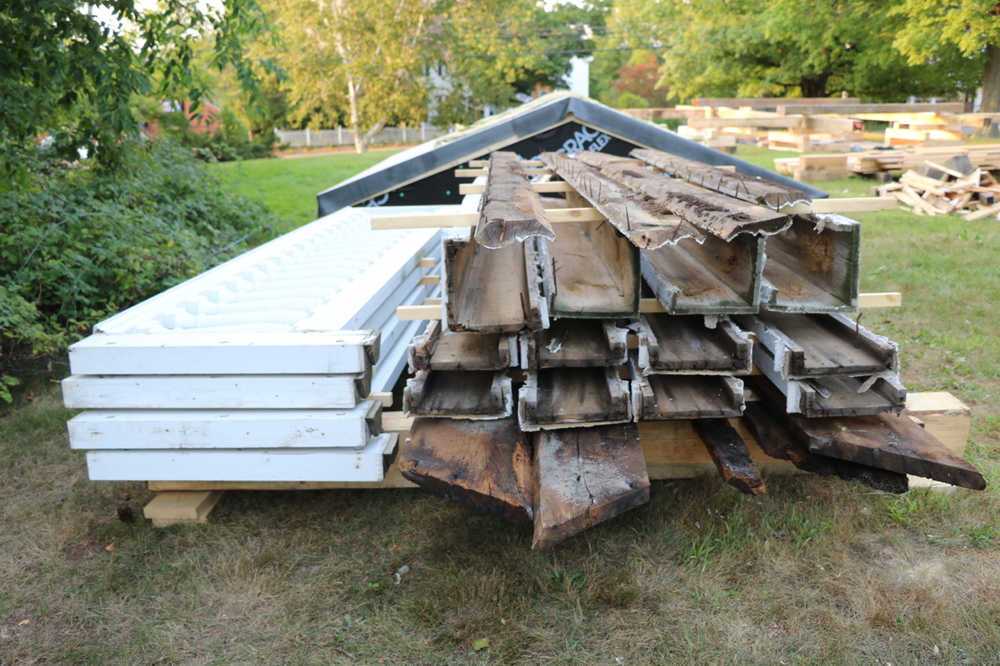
(72, 69)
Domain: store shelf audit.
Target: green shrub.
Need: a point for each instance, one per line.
(78, 244)
(230, 142)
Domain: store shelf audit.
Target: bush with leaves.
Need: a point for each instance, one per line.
(78, 244)
(230, 141)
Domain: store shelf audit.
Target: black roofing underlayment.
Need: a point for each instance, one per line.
(567, 123)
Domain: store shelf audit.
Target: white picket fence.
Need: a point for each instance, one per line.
(342, 136)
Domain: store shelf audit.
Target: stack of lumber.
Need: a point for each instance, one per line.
(922, 130)
(713, 137)
(260, 369)
(840, 165)
(577, 332)
(953, 188)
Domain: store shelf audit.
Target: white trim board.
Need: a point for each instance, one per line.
(317, 465)
(342, 352)
(225, 429)
(214, 391)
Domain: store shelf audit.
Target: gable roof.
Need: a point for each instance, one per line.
(561, 121)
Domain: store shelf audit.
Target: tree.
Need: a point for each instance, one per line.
(639, 81)
(73, 71)
(928, 29)
(809, 48)
(356, 62)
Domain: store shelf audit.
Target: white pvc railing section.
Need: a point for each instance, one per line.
(342, 136)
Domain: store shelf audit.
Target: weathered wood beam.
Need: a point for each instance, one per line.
(682, 344)
(475, 173)
(645, 222)
(747, 188)
(484, 465)
(716, 213)
(572, 398)
(584, 477)
(778, 442)
(886, 441)
(569, 343)
(731, 456)
(670, 397)
(434, 350)
(542, 188)
(434, 220)
(463, 394)
(510, 211)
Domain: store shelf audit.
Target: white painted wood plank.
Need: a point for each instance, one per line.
(224, 429)
(367, 464)
(213, 391)
(342, 352)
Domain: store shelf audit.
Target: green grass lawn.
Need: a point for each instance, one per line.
(817, 571)
(289, 185)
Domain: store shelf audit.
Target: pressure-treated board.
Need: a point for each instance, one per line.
(573, 397)
(342, 352)
(811, 345)
(434, 350)
(710, 211)
(492, 290)
(678, 344)
(583, 477)
(590, 271)
(510, 211)
(459, 394)
(737, 185)
(641, 219)
(575, 343)
(484, 465)
(670, 397)
(714, 277)
(227, 465)
(225, 429)
(215, 391)
(813, 266)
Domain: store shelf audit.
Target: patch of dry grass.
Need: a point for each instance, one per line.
(815, 572)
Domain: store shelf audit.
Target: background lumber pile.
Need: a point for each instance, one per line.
(952, 188)
(598, 376)
(840, 165)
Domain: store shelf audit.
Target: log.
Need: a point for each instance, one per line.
(737, 185)
(511, 210)
(484, 465)
(584, 477)
(641, 219)
(731, 456)
(710, 211)
(778, 442)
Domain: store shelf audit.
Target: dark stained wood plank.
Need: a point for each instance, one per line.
(484, 465)
(642, 219)
(713, 277)
(713, 212)
(814, 265)
(677, 397)
(490, 291)
(778, 442)
(459, 394)
(731, 456)
(434, 350)
(886, 441)
(581, 343)
(682, 343)
(590, 272)
(573, 397)
(737, 185)
(584, 477)
(511, 210)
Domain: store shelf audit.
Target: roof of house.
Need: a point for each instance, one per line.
(563, 122)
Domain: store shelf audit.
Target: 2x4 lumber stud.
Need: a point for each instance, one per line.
(169, 508)
(432, 220)
(542, 188)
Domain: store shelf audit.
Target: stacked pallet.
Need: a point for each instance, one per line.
(575, 330)
(953, 188)
(260, 369)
